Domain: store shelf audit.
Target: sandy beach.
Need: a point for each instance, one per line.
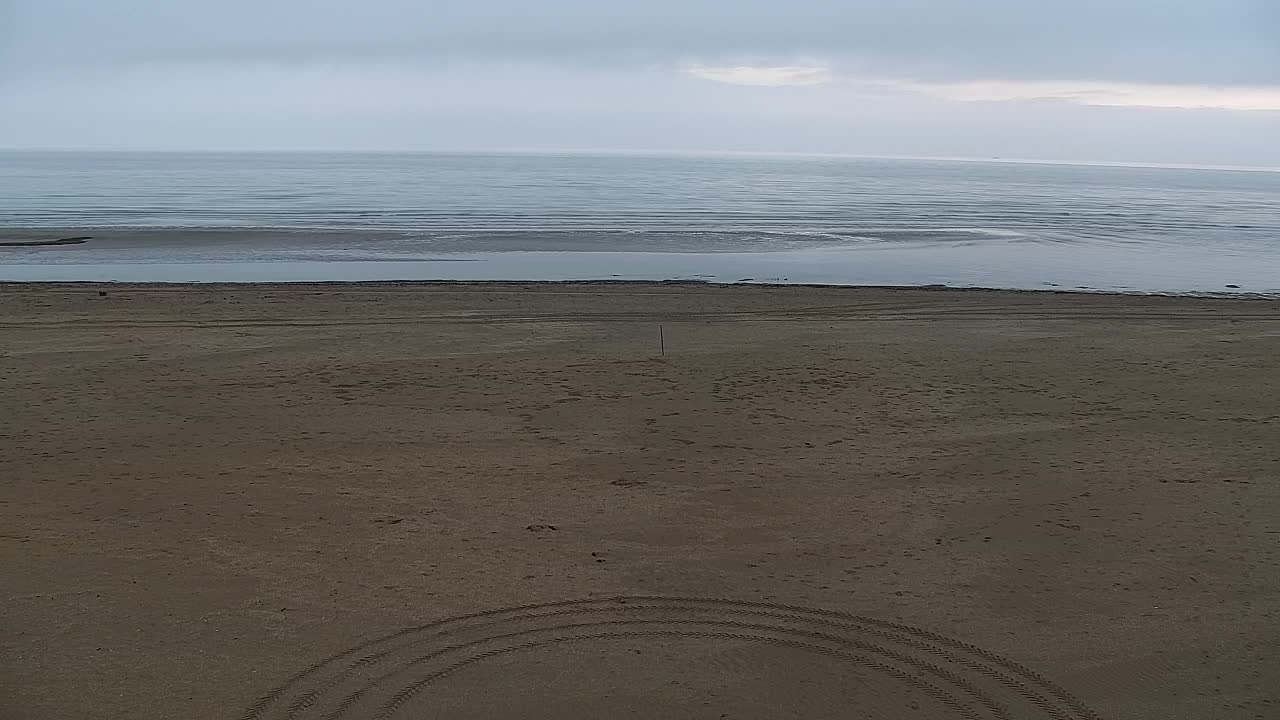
(579, 501)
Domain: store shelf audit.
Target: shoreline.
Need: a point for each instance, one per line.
(956, 258)
(427, 284)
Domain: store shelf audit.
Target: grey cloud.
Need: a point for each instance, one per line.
(1169, 41)
(494, 74)
(613, 110)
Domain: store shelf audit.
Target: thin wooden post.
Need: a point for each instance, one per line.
(662, 342)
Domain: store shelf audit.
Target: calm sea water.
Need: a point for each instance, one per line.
(162, 216)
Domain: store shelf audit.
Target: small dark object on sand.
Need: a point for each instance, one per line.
(37, 243)
(102, 293)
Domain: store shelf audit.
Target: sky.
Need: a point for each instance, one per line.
(1163, 81)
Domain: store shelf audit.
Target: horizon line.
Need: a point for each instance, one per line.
(653, 153)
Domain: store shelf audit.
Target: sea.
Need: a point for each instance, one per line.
(241, 217)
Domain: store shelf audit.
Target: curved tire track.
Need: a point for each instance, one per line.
(394, 673)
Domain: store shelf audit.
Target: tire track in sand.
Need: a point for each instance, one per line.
(391, 677)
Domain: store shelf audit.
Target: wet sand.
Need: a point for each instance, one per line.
(258, 502)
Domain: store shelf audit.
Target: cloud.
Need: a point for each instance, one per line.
(1242, 98)
(763, 75)
(1198, 42)
(1095, 93)
(482, 106)
(1023, 78)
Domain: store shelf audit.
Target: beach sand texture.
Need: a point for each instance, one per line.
(477, 501)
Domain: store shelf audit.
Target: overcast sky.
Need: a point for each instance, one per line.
(1184, 81)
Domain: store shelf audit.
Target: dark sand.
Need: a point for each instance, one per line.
(1021, 505)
